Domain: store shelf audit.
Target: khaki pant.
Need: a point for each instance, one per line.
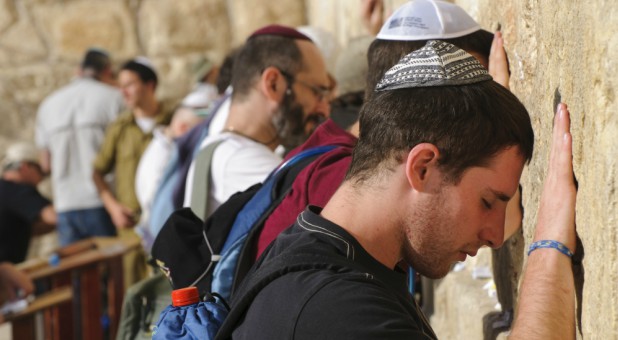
(134, 264)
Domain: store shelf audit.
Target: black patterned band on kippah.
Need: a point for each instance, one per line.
(438, 63)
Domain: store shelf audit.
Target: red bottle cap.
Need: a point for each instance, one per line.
(185, 296)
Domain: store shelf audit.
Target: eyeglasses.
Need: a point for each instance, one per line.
(320, 92)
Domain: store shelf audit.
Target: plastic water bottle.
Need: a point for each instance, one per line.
(189, 318)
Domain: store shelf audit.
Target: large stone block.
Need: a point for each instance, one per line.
(21, 90)
(179, 27)
(558, 53)
(8, 14)
(21, 45)
(72, 27)
(248, 15)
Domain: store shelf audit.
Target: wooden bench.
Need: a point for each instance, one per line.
(92, 270)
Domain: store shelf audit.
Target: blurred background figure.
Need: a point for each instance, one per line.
(351, 74)
(125, 141)
(155, 159)
(13, 284)
(70, 127)
(23, 210)
(206, 74)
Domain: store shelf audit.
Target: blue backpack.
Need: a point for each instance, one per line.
(216, 255)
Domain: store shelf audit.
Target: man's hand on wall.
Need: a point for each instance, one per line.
(372, 15)
(498, 63)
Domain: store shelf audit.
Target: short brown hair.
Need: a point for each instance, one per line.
(468, 124)
(260, 52)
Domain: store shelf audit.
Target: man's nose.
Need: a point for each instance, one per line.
(322, 108)
(493, 233)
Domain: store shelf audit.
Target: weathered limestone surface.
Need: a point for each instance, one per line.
(182, 27)
(248, 15)
(569, 51)
(566, 49)
(465, 299)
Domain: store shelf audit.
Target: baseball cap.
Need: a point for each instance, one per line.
(351, 67)
(427, 19)
(20, 152)
(438, 63)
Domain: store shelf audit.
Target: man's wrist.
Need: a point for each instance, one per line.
(544, 244)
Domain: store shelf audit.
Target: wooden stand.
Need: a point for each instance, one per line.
(90, 272)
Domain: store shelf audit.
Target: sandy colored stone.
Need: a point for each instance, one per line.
(460, 302)
(179, 27)
(8, 14)
(248, 15)
(14, 51)
(73, 27)
(569, 52)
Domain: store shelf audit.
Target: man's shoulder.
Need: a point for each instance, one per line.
(236, 147)
(324, 303)
(124, 118)
(88, 90)
(15, 189)
(85, 87)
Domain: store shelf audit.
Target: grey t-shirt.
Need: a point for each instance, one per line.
(71, 125)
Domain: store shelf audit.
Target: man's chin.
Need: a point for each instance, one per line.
(435, 272)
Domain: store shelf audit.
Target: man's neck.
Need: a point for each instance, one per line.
(369, 215)
(251, 121)
(13, 176)
(147, 110)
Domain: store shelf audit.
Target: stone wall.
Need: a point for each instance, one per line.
(561, 49)
(568, 51)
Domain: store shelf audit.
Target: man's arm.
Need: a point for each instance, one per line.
(46, 222)
(12, 280)
(45, 161)
(547, 301)
(498, 68)
(372, 15)
(121, 215)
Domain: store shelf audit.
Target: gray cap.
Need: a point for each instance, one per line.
(438, 63)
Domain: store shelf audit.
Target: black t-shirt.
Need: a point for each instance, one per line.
(20, 207)
(370, 301)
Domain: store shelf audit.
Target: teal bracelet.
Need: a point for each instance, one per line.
(550, 244)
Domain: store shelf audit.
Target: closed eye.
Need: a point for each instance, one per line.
(486, 204)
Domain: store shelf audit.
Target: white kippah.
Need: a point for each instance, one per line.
(145, 62)
(438, 63)
(427, 19)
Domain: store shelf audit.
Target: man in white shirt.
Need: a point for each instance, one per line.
(70, 127)
(280, 94)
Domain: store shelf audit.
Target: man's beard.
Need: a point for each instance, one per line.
(289, 122)
(428, 228)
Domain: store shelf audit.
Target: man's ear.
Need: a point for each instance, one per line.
(422, 167)
(272, 84)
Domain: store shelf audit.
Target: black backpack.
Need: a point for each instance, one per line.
(216, 255)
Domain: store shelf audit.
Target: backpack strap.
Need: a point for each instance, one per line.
(201, 180)
(277, 267)
(283, 179)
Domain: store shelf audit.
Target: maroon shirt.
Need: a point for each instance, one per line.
(315, 184)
